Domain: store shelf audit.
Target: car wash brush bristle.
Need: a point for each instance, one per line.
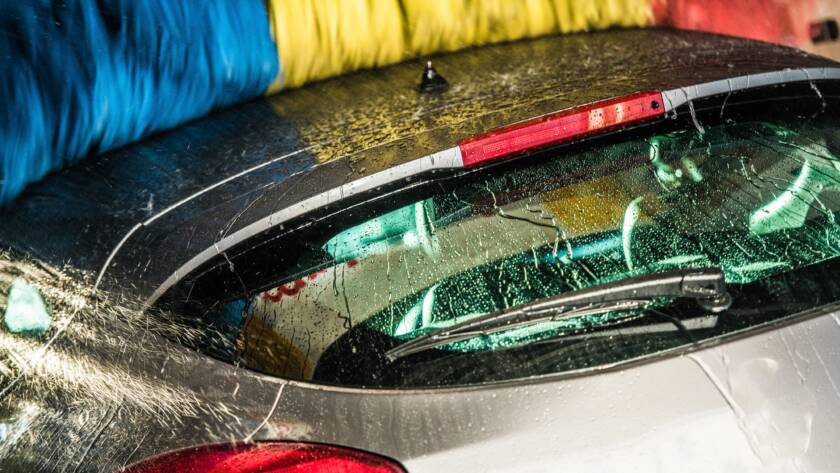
(84, 77)
(323, 38)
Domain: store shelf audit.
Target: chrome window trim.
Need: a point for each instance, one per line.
(674, 98)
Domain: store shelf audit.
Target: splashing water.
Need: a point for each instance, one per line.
(103, 373)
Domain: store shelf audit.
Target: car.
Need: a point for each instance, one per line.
(614, 251)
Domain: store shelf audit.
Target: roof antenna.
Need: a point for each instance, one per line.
(431, 81)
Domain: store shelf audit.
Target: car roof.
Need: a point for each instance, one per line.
(180, 191)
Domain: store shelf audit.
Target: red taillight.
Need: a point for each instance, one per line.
(265, 457)
(560, 127)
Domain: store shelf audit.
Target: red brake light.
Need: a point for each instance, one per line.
(265, 457)
(559, 127)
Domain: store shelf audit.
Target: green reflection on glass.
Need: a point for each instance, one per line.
(790, 208)
(702, 202)
(407, 225)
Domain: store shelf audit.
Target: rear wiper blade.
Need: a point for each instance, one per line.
(705, 285)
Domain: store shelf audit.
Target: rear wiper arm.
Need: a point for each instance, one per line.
(706, 285)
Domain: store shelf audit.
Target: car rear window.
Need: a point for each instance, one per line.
(757, 196)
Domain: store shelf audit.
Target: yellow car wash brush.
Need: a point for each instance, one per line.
(317, 39)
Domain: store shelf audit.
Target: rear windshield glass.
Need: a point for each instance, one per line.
(757, 198)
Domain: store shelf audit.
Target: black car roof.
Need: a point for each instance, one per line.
(191, 186)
